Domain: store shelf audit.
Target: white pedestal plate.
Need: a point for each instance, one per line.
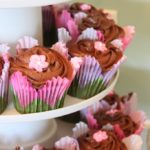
(19, 18)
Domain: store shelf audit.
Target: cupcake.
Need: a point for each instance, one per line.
(4, 76)
(77, 17)
(126, 119)
(40, 77)
(100, 62)
(103, 139)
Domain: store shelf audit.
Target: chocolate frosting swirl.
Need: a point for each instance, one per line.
(112, 99)
(106, 59)
(76, 7)
(57, 65)
(126, 123)
(86, 142)
(1, 65)
(99, 21)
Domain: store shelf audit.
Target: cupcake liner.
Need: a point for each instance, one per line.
(73, 29)
(133, 142)
(80, 129)
(88, 79)
(87, 113)
(118, 43)
(79, 16)
(63, 18)
(89, 33)
(26, 42)
(76, 63)
(109, 75)
(27, 99)
(67, 143)
(4, 77)
(129, 34)
(61, 48)
(129, 107)
(63, 35)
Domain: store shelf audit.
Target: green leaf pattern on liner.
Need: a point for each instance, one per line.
(36, 105)
(3, 103)
(91, 89)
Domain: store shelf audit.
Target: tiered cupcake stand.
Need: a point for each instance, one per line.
(19, 18)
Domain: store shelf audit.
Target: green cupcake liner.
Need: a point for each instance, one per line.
(90, 90)
(36, 105)
(3, 104)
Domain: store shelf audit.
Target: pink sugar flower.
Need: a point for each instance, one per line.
(100, 136)
(100, 46)
(85, 7)
(38, 62)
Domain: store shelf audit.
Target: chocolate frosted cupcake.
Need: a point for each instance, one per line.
(101, 22)
(4, 76)
(40, 78)
(109, 56)
(101, 140)
(125, 122)
(97, 139)
(100, 63)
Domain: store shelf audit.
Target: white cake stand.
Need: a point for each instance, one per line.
(19, 18)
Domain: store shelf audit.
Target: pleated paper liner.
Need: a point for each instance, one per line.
(29, 100)
(88, 81)
(36, 106)
(4, 91)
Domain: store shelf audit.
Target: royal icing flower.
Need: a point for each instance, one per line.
(100, 136)
(38, 62)
(85, 7)
(100, 46)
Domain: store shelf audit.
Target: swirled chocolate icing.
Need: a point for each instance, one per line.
(1, 65)
(106, 59)
(86, 142)
(76, 7)
(112, 99)
(126, 123)
(99, 21)
(57, 65)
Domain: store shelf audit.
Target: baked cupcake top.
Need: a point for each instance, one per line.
(100, 21)
(117, 118)
(107, 56)
(1, 65)
(40, 64)
(81, 7)
(100, 140)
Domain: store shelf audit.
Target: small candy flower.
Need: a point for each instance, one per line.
(38, 62)
(100, 136)
(100, 46)
(85, 7)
